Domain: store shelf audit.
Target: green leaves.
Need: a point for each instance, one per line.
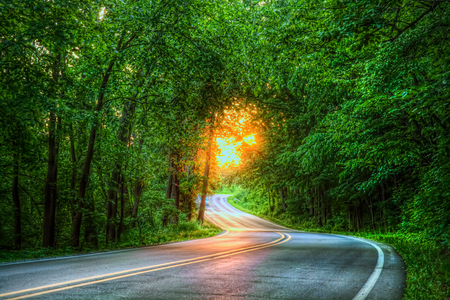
(351, 97)
(361, 96)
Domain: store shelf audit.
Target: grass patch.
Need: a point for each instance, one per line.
(131, 239)
(224, 190)
(427, 263)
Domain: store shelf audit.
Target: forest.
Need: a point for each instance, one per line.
(110, 113)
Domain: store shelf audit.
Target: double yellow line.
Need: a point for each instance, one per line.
(52, 288)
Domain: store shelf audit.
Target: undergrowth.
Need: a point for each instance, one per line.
(132, 238)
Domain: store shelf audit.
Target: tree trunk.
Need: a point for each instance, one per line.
(16, 200)
(173, 189)
(112, 206)
(124, 137)
(73, 180)
(169, 191)
(89, 155)
(330, 212)
(349, 217)
(76, 230)
(319, 208)
(175, 196)
(90, 233)
(383, 198)
(370, 206)
(122, 208)
(137, 191)
(191, 199)
(50, 191)
(50, 188)
(324, 207)
(169, 186)
(270, 204)
(311, 204)
(138, 188)
(359, 215)
(201, 211)
(192, 196)
(282, 199)
(176, 191)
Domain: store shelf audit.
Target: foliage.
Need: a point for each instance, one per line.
(427, 262)
(354, 113)
(100, 102)
(107, 109)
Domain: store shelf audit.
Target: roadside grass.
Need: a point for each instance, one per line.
(427, 262)
(131, 239)
(225, 190)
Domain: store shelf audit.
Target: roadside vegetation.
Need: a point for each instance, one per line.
(427, 262)
(138, 237)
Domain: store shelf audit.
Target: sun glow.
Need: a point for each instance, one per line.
(250, 140)
(236, 137)
(228, 151)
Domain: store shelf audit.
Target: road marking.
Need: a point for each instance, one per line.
(215, 222)
(110, 274)
(232, 223)
(239, 224)
(370, 283)
(161, 267)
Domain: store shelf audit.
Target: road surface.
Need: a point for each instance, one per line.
(252, 259)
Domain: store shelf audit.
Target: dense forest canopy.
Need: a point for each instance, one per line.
(355, 113)
(110, 113)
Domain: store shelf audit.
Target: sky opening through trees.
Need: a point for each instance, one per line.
(235, 135)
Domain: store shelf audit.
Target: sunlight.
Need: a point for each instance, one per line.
(250, 140)
(228, 152)
(235, 138)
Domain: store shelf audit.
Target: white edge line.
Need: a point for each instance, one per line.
(370, 283)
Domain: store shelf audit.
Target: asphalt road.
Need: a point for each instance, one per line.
(252, 259)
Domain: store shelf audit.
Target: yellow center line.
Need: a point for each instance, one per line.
(199, 259)
(172, 265)
(104, 275)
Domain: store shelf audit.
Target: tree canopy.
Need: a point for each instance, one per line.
(109, 111)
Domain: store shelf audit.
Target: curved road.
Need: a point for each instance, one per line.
(252, 259)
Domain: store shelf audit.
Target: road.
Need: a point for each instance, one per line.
(252, 259)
